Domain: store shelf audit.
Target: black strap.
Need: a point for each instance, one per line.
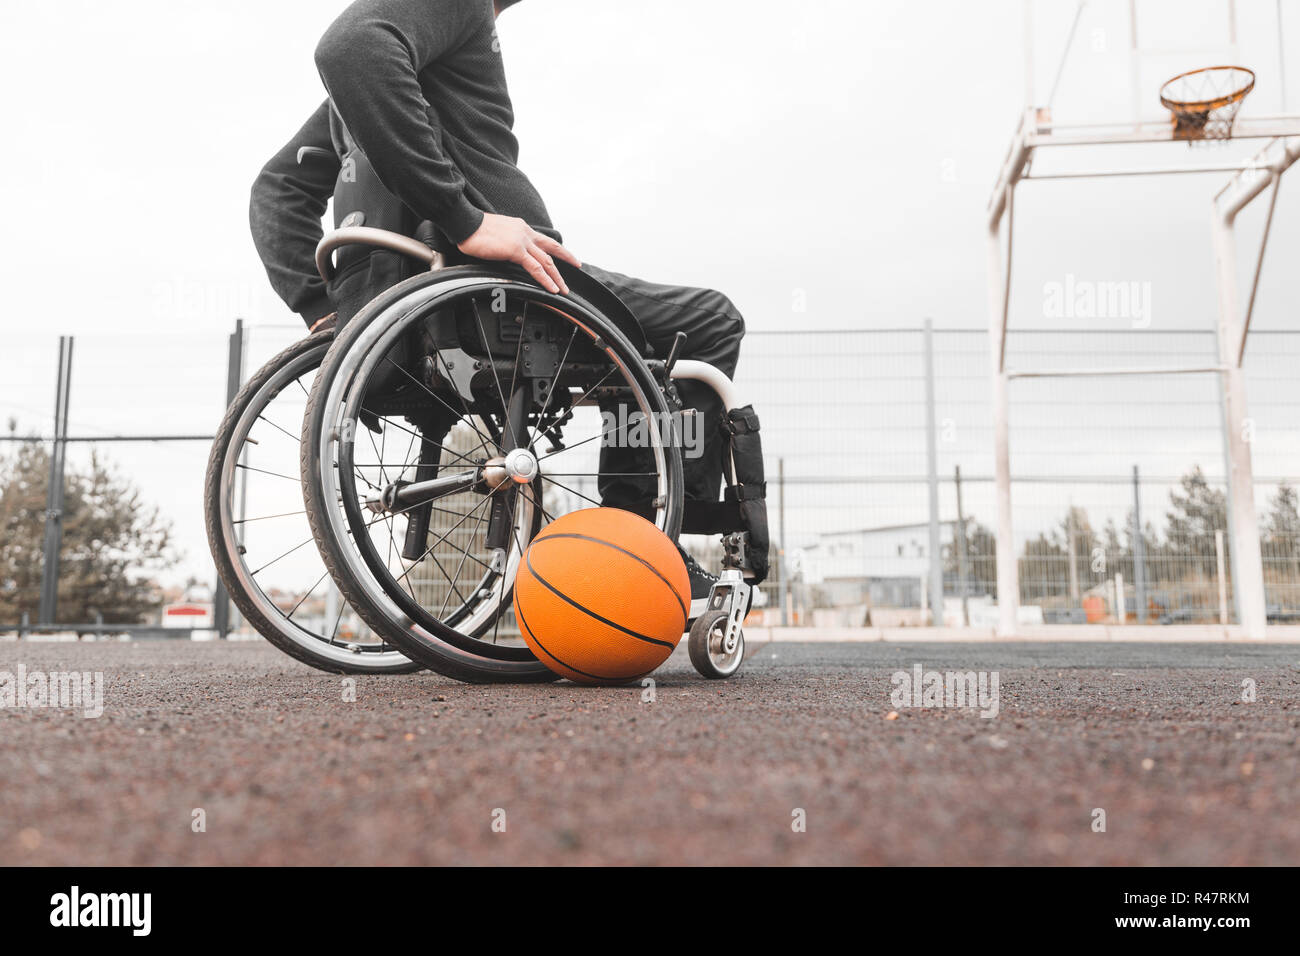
(711, 517)
(755, 491)
(741, 421)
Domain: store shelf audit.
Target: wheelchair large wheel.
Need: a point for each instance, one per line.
(452, 417)
(258, 531)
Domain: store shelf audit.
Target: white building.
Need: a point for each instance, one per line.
(885, 566)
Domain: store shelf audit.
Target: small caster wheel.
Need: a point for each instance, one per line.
(708, 653)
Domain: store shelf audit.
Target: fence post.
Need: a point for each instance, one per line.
(782, 580)
(1223, 577)
(961, 549)
(932, 476)
(234, 378)
(54, 493)
(1072, 557)
(1139, 552)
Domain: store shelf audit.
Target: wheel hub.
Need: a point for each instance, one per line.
(521, 466)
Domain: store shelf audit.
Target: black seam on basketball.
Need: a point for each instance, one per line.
(528, 561)
(523, 622)
(636, 557)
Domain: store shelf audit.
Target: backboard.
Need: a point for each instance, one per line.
(1105, 61)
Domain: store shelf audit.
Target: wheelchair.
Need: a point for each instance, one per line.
(451, 418)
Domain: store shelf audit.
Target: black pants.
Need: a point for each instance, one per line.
(713, 330)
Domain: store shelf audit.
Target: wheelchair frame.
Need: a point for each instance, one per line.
(716, 638)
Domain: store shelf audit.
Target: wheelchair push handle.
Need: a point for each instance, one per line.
(369, 236)
(711, 376)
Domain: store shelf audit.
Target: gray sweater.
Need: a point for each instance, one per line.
(421, 88)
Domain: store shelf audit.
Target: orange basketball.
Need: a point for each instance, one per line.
(602, 596)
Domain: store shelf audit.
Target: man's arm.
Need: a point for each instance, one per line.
(370, 61)
(285, 213)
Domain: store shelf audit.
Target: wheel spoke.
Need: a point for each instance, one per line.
(284, 555)
(571, 491)
(337, 620)
(443, 538)
(306, 594)
(599, 474)
(430, 441)
(297, 439)
(434, 395)
(286, 514)
(607, 432)
(273, 474)
(464, 554)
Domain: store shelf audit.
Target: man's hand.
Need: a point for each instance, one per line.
(507, 239)
(324, 322)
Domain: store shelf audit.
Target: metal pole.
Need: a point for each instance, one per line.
(1072, 558)
(1259, 267)
(54, 493)
(961, 550)
(1223, 577)
(1065, 54)
(932, 474)
(1227, 455)
(782, 578)
(1120, 613)
(1109, 372)
(1008, 574)
(1139, 551)
(234, 378)
(1248, 564)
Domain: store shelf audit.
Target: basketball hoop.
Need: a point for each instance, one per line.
(1204, 102)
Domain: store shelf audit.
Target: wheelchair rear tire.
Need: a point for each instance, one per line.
(249, 412)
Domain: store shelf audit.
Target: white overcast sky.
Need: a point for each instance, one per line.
(757, 147)
(838, 150)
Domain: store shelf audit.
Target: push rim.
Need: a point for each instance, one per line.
(342, 405)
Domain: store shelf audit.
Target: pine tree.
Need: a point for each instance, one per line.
(1194, 516)
(112, 542)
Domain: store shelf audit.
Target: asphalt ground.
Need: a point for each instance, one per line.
(419, 768)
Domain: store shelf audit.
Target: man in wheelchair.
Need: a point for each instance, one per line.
(417, 129)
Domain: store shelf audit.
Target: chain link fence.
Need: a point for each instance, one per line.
(845, 435)
(844, 426)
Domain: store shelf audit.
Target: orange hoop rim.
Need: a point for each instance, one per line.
(1205, 106)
